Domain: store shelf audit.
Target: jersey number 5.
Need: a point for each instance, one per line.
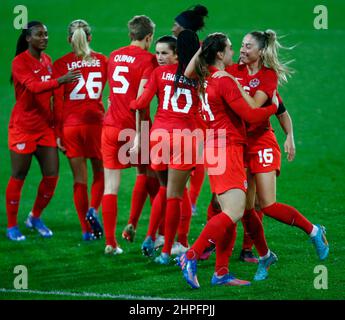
(117, 77)
(93, 87)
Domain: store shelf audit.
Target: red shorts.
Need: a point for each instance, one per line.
(263, 154)
(83, 141)
(26, 143)
(228, 172)
(111, 146)
(175, 151)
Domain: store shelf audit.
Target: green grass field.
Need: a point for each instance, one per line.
(313, 183)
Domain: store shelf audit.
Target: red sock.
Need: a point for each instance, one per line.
(224, 250)
(157, 212)
(109, 211)
(214, 231)
(247, 243)
(13, 193)
(172, 219)
(97, 189)
(81, 203)
(152, 187)
(139, 195)
(253, 228)
(196, 180)
(260, 214)
(212, 211)
(247, 240)
(288, 215)
(161, 229)
(186, 215)
(44, 194)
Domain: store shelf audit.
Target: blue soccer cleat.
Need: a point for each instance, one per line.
(148, 247)
(88, 236)
(189, 269)
(163, 258)
(92, 218)
(37, 224)
(320, 242)
(228, 280)
(14, 234)
(264, 265)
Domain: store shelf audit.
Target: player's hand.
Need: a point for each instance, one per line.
(222, 73)
(70, 76)
(275, 100)
(289, 147)
(60, 145)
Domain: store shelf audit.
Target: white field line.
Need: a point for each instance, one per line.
(85, 294)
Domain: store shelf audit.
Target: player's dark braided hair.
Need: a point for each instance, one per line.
(215, 42)
(187, 45)
(22, 44)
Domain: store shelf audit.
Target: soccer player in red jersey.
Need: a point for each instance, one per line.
(259, 75)
(79, 113)
(30, 127)
(165, 54)
(193, 19)
(225, 111)
(129, 68)
(174, 123)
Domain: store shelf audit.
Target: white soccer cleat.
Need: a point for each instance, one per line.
(178, 249)
(111, 250)
(159, 242)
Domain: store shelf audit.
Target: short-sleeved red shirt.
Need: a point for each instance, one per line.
(80, 102)
(127, 66)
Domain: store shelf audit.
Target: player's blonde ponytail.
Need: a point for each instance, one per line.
(270, 46)
(79, 30)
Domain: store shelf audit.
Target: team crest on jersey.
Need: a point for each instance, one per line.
(21, 146)
(254, 83)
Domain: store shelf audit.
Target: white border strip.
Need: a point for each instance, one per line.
(86, 294)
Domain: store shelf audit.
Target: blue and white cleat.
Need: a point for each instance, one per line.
(163, 258)
(36, 223)
(148, 247)
(228, 280)
(14, 234)
(189, 269)
(264, 265)
(88, 236)
(320, 242)
(92, 218)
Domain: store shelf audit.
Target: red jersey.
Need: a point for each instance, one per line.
(175, 110)
(33, 89)
(265, 80)
(80, 103)
(225, 108)
(127, 67)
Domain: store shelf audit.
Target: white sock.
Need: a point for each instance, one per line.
(266, 256)
(314, 231)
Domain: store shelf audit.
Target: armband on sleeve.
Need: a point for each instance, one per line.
(281, 109)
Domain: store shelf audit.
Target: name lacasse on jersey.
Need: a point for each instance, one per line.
(82, 64)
